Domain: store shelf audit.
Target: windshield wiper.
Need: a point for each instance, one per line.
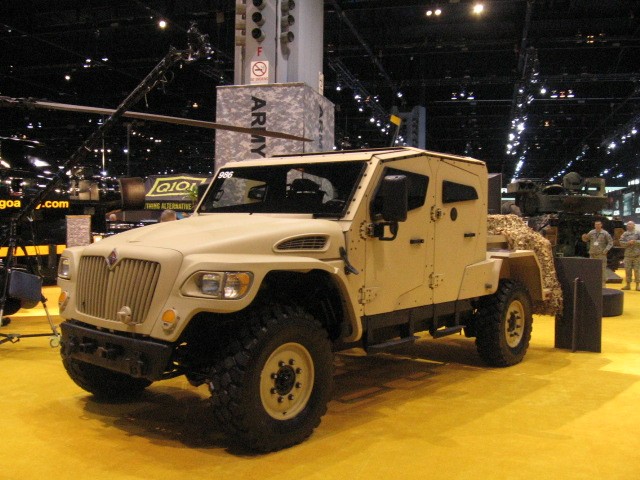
(327, 215)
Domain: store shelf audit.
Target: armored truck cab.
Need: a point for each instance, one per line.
(284, 261)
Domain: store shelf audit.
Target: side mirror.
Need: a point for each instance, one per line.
(395, 193)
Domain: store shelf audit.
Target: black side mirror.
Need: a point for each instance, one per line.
(395, 193)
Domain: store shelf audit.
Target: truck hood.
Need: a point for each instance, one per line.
(235, 234)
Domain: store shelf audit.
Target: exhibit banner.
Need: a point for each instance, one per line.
(293, 108)
(175, 192)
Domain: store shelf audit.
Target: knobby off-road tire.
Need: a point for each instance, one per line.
(504, 324)
(273, 387)
(104, 384)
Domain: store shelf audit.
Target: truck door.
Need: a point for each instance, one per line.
(458, 215)
(396, 270)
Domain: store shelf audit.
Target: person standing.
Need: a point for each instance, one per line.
(630, 241)
(168, 216)
(600, 242)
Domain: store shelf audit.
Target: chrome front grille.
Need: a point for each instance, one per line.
(101, 291)
(310, 242)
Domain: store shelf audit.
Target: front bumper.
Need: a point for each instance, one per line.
(136, 357)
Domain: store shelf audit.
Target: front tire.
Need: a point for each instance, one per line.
(103, 383)
(273, 387)
(503, 325)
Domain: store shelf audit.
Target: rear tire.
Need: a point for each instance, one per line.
(273, 387)
(503, 325)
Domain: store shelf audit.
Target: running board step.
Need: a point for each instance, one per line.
(390, 345)
(443, 332)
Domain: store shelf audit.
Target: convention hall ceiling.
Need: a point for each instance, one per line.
(534, 88)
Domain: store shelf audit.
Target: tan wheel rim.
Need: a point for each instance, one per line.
(286, 381)
(514, 324)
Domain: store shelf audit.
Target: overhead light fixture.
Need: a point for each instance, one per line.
(438, 12)
(162, 24)
(429, 13)
(478, 8)
(67, 77)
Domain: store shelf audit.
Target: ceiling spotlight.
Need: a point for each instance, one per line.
(543, 91)
(67, 77)
(372, 119)
(478, 8)
(162, 24)
(105, 59)
(429, 13)
(88, 60)
(438, 12)
(338, 87)
(399, 94)
(195, 105)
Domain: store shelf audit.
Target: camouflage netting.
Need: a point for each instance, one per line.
(521, 237)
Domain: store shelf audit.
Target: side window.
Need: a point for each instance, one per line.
(417, 184)
(457, 192)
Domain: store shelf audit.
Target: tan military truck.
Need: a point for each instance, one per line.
(284, 261)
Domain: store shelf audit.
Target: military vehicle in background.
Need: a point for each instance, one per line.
(562, 213)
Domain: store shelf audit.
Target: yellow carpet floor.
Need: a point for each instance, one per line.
(433, 411)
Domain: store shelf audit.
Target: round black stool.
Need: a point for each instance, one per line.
(612, 302)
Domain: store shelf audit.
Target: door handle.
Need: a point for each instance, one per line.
(416, 241)
(469, 235)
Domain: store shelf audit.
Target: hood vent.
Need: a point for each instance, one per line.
(306, 243)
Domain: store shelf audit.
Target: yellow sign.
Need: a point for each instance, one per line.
(395, 120)
(172, 186)
(33, 250)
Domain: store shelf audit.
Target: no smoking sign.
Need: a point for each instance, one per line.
(259, 72)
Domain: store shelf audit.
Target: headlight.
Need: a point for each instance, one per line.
(224, 285)
(210, 283)
(236, 284)
(64, 268)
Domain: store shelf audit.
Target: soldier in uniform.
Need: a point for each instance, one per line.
(630, 241)
(600, 242)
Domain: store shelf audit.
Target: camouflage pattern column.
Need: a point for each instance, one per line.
(293, 108)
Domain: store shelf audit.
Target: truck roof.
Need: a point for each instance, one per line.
(351, 156)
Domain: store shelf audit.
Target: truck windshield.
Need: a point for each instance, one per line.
(321, 189)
